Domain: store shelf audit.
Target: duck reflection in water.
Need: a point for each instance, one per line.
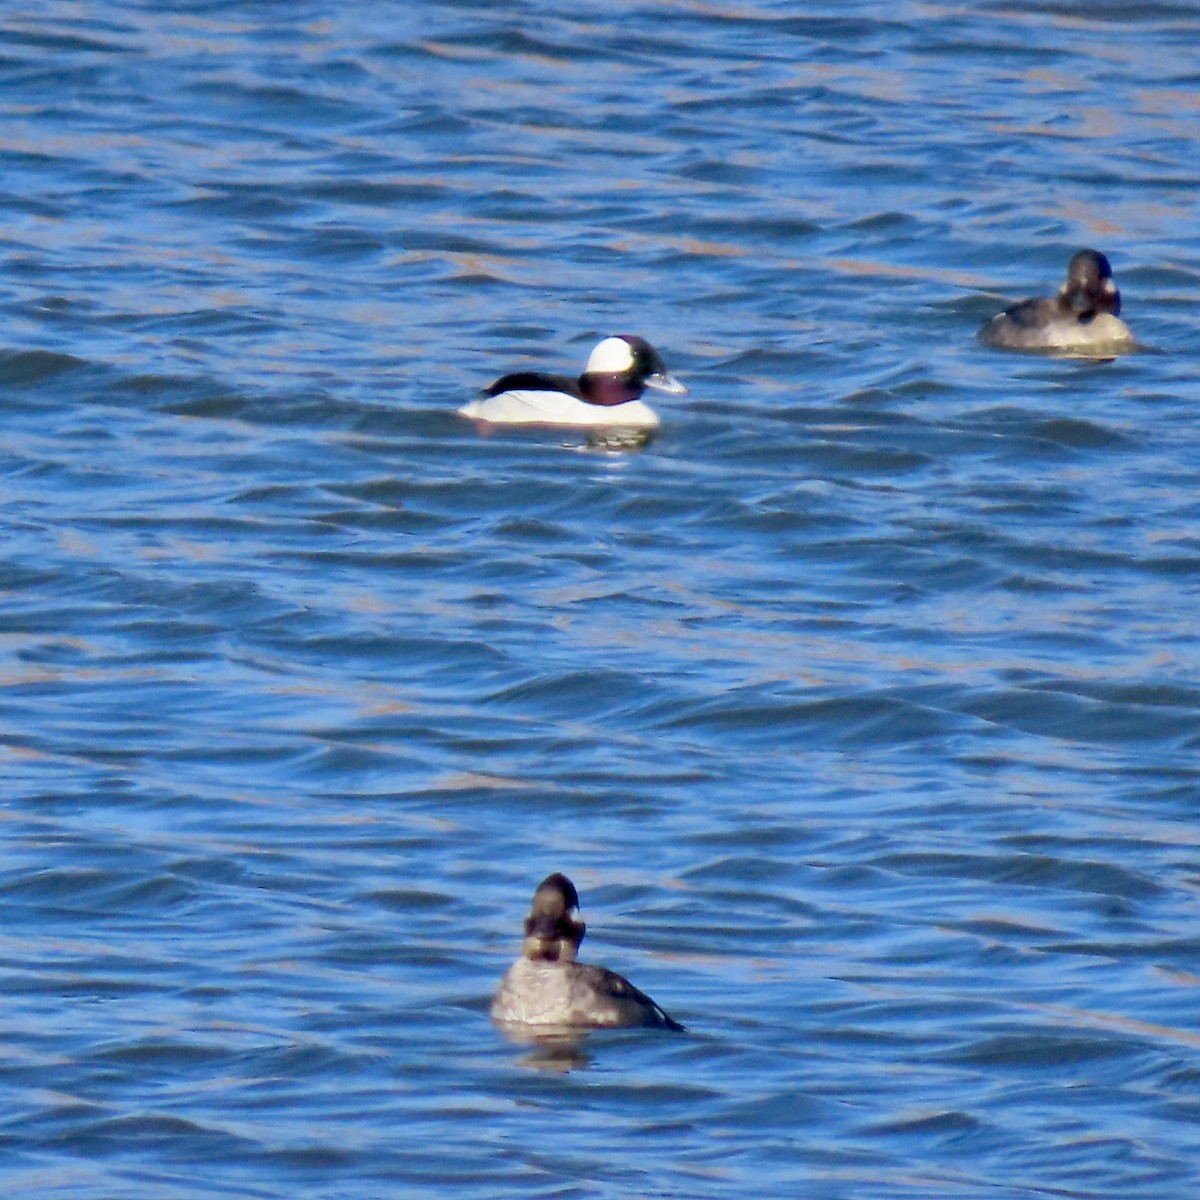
(548, 996)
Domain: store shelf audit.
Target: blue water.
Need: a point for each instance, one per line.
(862, 704)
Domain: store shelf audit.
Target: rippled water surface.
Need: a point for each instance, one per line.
(862, 704)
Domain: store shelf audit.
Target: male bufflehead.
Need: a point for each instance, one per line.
(617, 372)
(546, 987)
(1081, 319)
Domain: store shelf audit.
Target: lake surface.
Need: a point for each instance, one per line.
(862, 703)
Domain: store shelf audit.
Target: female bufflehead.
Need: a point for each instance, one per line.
(547, 987)
(607, 392)
(1081, 319)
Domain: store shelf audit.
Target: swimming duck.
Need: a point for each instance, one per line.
(618, 370)
(1081, 319)
(547, 987)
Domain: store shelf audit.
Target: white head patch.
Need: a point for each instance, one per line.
(610, 357)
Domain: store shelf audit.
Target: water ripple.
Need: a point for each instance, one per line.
(859, 702)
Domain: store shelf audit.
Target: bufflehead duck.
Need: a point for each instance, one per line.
(1081, 319)
(617, 372)
(547, 987)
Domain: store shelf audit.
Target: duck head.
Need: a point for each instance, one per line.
(1090, 288)
(621, 368)
(552, 934)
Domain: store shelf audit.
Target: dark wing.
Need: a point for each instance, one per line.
(1031, 314)
(534, 381)
(1021, 327)
(620, 988)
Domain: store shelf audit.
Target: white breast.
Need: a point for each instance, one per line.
(1108, 332)
(1104, 334)
(534, 994)
(557, 408)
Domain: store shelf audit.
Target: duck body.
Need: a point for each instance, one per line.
(547, 988)
(1082, 319)
(573, 995)
(608, 392)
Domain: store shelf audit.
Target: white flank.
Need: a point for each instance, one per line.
(557, 408)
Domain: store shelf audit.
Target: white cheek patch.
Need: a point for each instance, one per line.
(1109, 287)
(610, 357)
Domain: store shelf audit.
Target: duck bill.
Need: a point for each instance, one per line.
(663, 381)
